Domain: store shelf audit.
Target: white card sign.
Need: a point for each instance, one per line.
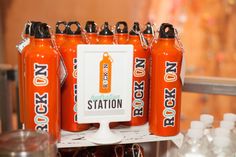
(104, 86)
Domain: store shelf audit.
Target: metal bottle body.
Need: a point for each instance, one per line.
(166, 87)
(69, 88)
(42, 88)
(140, 85)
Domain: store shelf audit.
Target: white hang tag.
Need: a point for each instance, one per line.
(183, 69)
(62, 66)
(22, 45)
(63, 72)
(143, 41)
(183, 64)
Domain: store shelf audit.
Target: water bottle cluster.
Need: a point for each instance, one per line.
(48, 96)
(203, 140)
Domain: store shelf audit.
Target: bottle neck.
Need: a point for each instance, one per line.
(74, 37)
(166, 41)
(106, 36)
(59, 35)
(134, 39)
(121, 34)
(91, 35)
(105, 39)
(148, 35)
(134, 36)
(42, 41)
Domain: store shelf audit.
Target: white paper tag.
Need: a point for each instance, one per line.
(183, 69)
(63, 72)
(23, 44)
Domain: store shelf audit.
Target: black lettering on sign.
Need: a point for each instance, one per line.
(100, 106)
(105, 104)
(90, 104)
(119, 103)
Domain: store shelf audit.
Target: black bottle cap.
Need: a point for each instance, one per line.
(121, 27)
(27, 28)
(68, 28)
(42, 31)
(167, 31)
(58, 30)
(33, 26)
(135, 29)
(148, 29)
(91, 27)
(105, 30)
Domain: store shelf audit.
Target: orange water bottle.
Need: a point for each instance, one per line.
(106, 37)
(21, 63)
(42, 84)
(139, 115)
(21, 47)
(69, 88)
(121, 35)
(148, 34)
(91, 32)
(60, 33)
(166, 84)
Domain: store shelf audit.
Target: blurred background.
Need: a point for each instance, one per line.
(206, 29)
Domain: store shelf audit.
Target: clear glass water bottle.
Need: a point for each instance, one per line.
(23, 143)
(221, 147)
(230, 117)
(208, 120)
(200, 125)
(194, 145)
